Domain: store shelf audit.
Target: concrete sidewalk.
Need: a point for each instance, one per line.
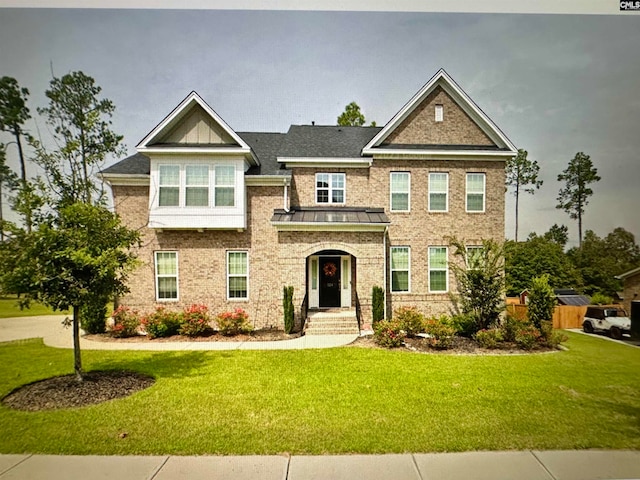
(54, 334)
(525, 465)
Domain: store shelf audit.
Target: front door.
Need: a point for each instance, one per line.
(329, 282)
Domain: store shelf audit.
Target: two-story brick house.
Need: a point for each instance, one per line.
(230, 218)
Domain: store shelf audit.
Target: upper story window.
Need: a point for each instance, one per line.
(330, 188)
(438, 192)
(169, 195)
(196, 185)
(400, 191)
(439, 113)
(475, 192)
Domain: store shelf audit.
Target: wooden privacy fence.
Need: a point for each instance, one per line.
(564, 316)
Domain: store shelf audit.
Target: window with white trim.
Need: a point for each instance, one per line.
(330, 188)
(400, 269)
(166, 264)
(225, 186)
(438, 271)
(400, 188)
(169, 185)
(237, 275)
(475, 192)
(439, 113)
(197, 186)
(438, 192)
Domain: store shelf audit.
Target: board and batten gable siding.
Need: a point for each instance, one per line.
(197, 128)
(421, 128)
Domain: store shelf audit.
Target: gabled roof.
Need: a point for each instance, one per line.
(503, 146)
(152, 142)
(628, 274)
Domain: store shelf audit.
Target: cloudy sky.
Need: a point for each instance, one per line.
(555, 84)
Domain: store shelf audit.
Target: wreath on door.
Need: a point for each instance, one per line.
(330, 269)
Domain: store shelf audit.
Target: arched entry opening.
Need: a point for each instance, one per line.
(331, 279)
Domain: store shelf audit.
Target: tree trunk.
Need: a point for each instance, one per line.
(77, 359)
(23, 176)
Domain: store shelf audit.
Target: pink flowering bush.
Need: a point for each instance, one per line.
(440, 332)
(234, 323)
(388, 333)
(162, 323)
(125, 322)
(195, 321)
(490, 338)
(410, 320)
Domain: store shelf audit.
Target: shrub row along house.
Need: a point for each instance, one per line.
(230, 218)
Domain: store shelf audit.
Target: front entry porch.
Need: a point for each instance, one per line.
(332, 322)
(330, 280)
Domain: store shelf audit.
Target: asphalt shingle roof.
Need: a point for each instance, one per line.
(326, 141)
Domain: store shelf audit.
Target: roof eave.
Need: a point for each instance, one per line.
(329, 226)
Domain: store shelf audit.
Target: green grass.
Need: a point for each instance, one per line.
(343, 400)
(9, 308)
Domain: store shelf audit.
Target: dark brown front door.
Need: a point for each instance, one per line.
(329, 282)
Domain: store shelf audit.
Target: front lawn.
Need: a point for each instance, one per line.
(343, 400)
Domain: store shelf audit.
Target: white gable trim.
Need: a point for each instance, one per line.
(442, 79)
(176, 115)
(125, 179)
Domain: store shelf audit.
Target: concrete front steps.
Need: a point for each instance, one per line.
(331, 322)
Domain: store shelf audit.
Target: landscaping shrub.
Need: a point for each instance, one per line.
(125, 322)
(93, 316)
(234, 323)
(491, 338)
(410, 320)
(511, 325)
(388, 333)
(287, 303)
(440, 332)
(162, 323)
(601, 299)
(542, 300)
(377, 303)
(195, 321)
(527, 338)
(556, 338)
(464, 325)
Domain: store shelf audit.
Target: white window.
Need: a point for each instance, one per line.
(169, 185)
(475, 192)
(166, 275)
(330, 188)
(438, 192)
(438, 272)
(224, 186)
(400, 269)
(191, 185)
(197, 186)
(400, 191)
(237, 275)
(439, 113)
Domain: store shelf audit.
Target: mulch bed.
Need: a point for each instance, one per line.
(68, 392)
(267, 335)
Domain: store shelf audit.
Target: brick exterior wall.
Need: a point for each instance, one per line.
(277, 258)
(631, 291)
(421, 128)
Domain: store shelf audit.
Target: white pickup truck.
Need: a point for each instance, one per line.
(607, 319)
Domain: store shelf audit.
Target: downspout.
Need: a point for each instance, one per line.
(384, 275)
(286, 196)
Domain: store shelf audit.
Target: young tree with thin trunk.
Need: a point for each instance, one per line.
(574, 196)
(522, 176)
(81, 126)
(13, 115)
